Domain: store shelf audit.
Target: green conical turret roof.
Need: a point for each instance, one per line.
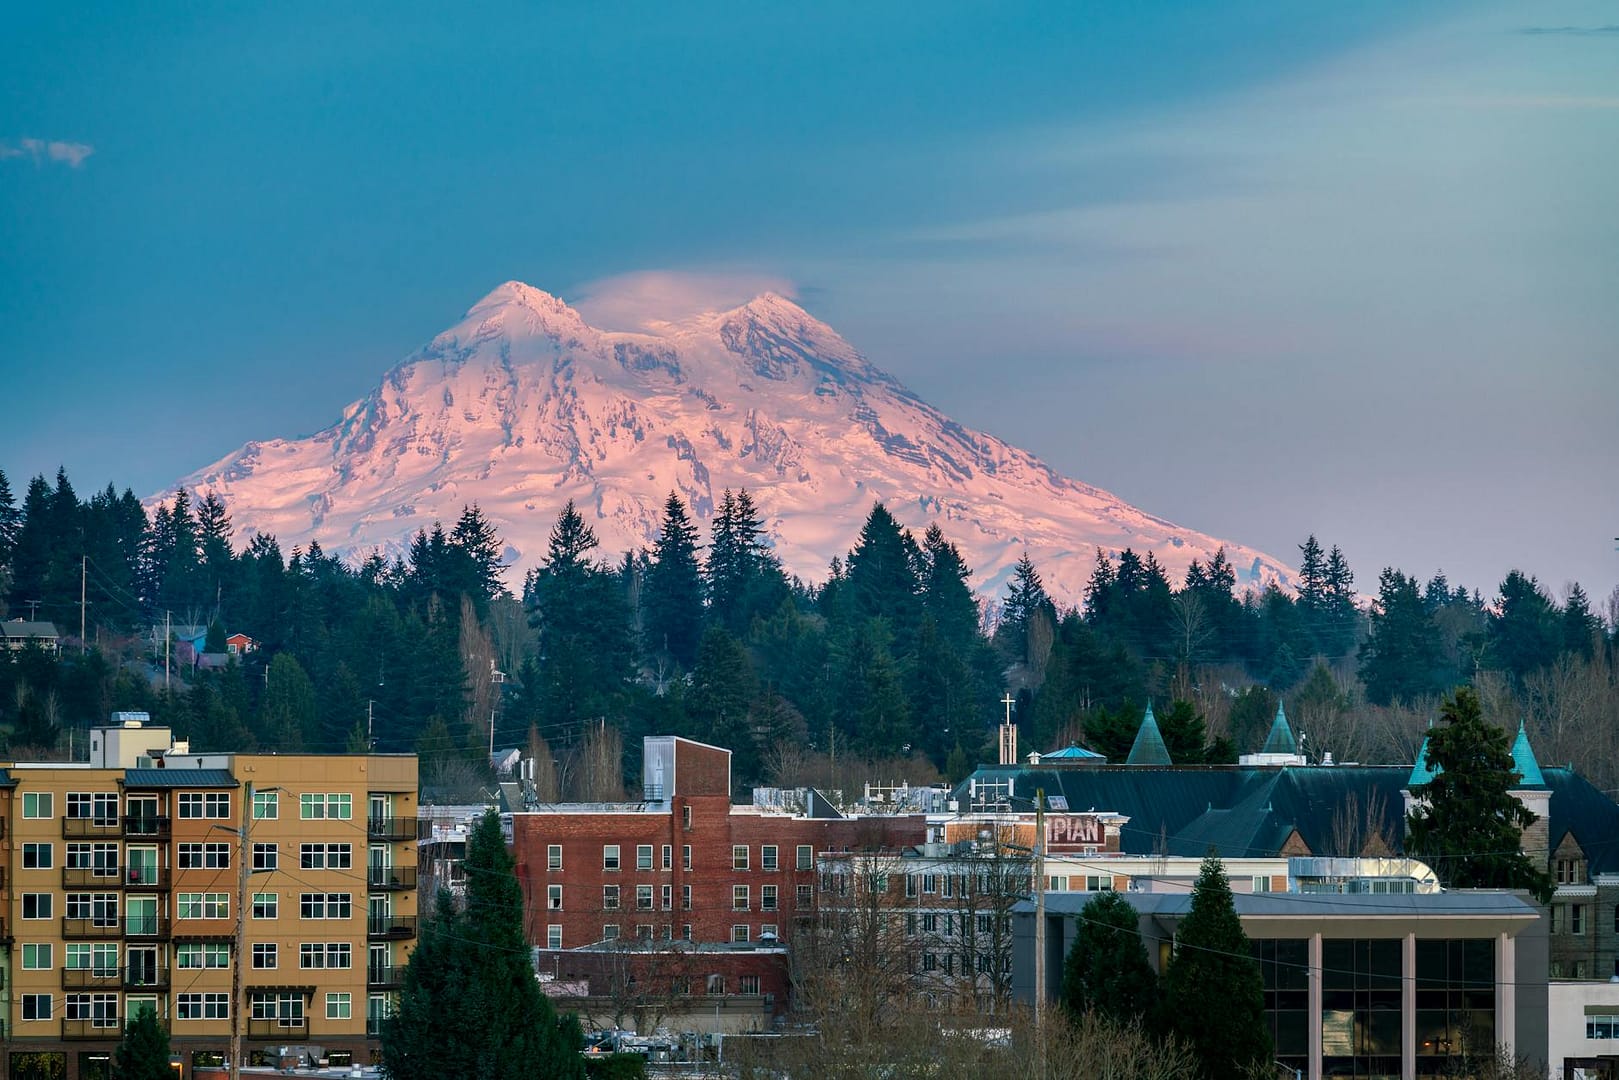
(1420, 773)
(1523, 759)
(1149, 748)
(1281, 739)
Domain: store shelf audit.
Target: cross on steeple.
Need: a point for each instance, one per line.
(1008, 701)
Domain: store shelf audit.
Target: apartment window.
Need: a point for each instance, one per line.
(767, 857)
(685, 856)
(99, 807)
(983, 924)
(667, 896)
(930, 923)
(610, 932)
(100, 1009)
(685, 931)
(806, 857)
(553, 897)
(1104, 882)
(553, 936)
(335, 806)
(36, 905)
(326, 856)
(912, 885)
(667, 933)
(768, 930)
(196, 956)
(197, 905)
(204, 856)
(100, 908)
(716, 985)
(668, 860)
(685, 898)
(325, 954)
(101, 958)
(37, 957)
(739, 933)
(100, 858)
(806, 896)
(285, 1008)
(553, 857)
(266, 805)
(685, 816)
(339, 1006)
(767, 898)
(37, 804)
(37, 1006)
(643, 898)
(265, 905)
(1576, 919)
(748, 984)
(609, 856)
(202, 1007)
(739, 856)
(739, 898)
(930, 961)
(643, 856)
(1570, 871)
(336, 905)
(609, 897)
(265, 956)
(930, 884)
(1262, 883)
(37, 856)
(910, 924)
(643, 931)
(266, 857)
(204, 804)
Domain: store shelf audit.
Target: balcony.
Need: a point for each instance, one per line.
(2, 828)
(146, 977)
(92, 877)
(150, 927)
(278, 1028)
(391, 927)
(89, 828)
(146, 827)
(106, 1029)
(380, 878)
(94, 929)
(91, 978)
(146, 877)
(393, 830)
(384, 976)
(373, 1026)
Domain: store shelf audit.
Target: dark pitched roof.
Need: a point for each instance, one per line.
(1578, 807)
(1280, 740)
(1149, 748)
(6, 778)
(179, 778)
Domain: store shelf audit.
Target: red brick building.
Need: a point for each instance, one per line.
(684, 865)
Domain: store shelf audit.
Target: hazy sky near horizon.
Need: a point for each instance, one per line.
(1261, 268)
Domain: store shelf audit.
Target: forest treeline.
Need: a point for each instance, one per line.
(891, 668)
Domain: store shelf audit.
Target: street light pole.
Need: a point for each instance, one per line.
(242, 855)
(1040, 925)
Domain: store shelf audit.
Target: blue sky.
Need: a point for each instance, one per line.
(1263, 268)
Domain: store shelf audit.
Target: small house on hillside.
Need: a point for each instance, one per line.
(20, 633)
(240, 645)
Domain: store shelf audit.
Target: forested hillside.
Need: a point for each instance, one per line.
(886, 669)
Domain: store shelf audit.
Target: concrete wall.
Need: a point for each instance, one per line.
(1569, 1004)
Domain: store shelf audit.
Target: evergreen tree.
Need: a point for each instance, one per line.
(723, 689)
(743, 576)
(10, 520)
(1341, 617)
(143, 1052)
(287, 713)
(1026, 600)
(1581, 628)
(1313, 596)
(873, 711)
(31, 552)
(946, 597)
(1185, 734)
(1524, 635)
(1213, 994)
(1099, 591)
(1107, 970)
(882, 579)
(1403, 657)
(1467, 823)
(470, 1005)
(672, 599)
(474, 552)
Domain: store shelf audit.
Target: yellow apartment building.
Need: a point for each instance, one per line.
(122, 881)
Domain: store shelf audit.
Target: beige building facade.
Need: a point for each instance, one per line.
(123, 883)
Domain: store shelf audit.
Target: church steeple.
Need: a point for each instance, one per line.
(1280, 740)
(1523, 759)
(1149, 748)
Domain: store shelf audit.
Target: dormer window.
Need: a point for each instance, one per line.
(1569, 871)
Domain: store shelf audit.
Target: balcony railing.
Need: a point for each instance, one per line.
(373, 1026)
(91, 978)
(146, 926)
(108, 1029)
(391, 926)
(146, 977)
(395, 830)
(79, 828)
(2, 828)
(384, 976)
(92, 877)
(146, 877)
(391, 877)
(92, 928)
(146, 826)
(278, 1028)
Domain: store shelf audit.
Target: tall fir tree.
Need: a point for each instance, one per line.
(1524, 635)
(672, 597)
(1026, 599)
(143, 1052)
(1213, 994)
(10, 520)
(1466, 823)
(1106, 971)
(1402, 657)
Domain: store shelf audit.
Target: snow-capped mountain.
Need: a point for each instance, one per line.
(521, 406)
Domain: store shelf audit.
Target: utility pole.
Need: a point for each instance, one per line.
(370, 739)
(243, 853)
(1040, 926)
(166, 636)
(84, 569)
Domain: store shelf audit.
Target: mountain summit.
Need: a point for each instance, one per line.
(522, 405)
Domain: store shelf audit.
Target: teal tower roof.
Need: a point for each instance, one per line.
(1523, 759)
(1280, 740)
(1420, 773)
(1149, 748)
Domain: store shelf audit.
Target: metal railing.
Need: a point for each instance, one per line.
(92, 928)
(139, 826)
(391, 877)
(92, 877)
(91, 978)
(79, 828)
(384, 976)
(394, 830)
(110, 1029)
(391, 926)
(278, 1028)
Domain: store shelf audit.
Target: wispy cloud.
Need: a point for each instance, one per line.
(71, 154)
(1611, 30)
(1537, 101)
(643, 300)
